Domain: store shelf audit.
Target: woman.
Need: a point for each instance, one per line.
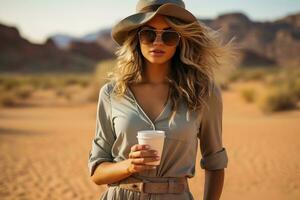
(163, 81)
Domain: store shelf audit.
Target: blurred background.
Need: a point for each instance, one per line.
(54, 56)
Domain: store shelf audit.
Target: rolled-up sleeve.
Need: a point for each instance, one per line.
(214, 155)
(104, 134)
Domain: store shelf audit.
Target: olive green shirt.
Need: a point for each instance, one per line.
(117, 123)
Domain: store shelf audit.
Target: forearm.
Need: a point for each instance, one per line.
(108, 172)
(213, 185)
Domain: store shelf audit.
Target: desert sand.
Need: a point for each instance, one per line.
(44, 151)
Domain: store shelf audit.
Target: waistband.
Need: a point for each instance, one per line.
(157, 185)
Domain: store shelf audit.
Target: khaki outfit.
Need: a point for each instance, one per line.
(117, 123)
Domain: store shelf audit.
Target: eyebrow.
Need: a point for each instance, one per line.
(155, 28)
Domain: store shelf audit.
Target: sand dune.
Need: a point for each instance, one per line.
(43, 153)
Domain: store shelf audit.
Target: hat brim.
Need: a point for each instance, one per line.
(121, 29)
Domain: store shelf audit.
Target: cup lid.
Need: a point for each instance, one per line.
(151, 133)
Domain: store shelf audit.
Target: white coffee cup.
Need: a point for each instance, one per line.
(155, 139)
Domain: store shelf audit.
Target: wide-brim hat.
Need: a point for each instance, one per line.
(145, 11)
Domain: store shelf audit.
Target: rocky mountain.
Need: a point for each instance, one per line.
(277, 41)
(104, 39)
(91, 50)
(262, 43)
(101, 37)
(19, 55)
(293, 20)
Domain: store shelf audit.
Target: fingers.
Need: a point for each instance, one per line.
(138, 147)
(144, 160)
(140, 155)
(143, 153)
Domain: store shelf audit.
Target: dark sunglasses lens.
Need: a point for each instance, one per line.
(170, 38)
(147, 36)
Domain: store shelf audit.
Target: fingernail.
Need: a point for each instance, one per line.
(147, 146)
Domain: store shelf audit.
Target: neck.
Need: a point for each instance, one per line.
(156, 73)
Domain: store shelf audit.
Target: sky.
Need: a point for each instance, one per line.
(39, 19)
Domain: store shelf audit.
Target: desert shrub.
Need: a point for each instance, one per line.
(295, 87)
(100, 78)
(255, 74)
(24, 92)
(277, 99)
(8, 99)
(10, 84)
(288, 79)
(23, 85)
(71, 81)
(234, 76)
(62, 92)
(248, 94)
(259, 73)
(82, 80)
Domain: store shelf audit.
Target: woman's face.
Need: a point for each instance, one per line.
(159, 23)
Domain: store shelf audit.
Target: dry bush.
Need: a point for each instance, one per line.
(252, 74)
(296, 88)
(9, 83)
(24, 91)
(8, 99)
(99, 78)
(282, 87)
(277, 99)
(62, 92)
(248, 94)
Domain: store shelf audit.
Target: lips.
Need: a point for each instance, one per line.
(157, 51)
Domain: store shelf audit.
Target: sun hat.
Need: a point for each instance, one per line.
(145, 11)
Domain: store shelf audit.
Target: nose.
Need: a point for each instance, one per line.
(158, 39)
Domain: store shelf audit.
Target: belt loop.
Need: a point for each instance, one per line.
(144, 195)
(142, 187)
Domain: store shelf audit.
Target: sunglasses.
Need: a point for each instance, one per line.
(168, 37)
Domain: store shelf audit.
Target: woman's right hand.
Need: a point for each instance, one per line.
(139, 155)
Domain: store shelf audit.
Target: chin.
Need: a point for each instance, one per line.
(157, 60)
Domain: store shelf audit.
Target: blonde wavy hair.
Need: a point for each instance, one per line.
(198, 53)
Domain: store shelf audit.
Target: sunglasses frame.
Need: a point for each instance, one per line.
(160, 33)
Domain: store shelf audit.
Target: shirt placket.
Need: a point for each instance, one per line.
(140, 110)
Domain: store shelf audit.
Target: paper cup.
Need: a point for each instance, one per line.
(155, 139)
